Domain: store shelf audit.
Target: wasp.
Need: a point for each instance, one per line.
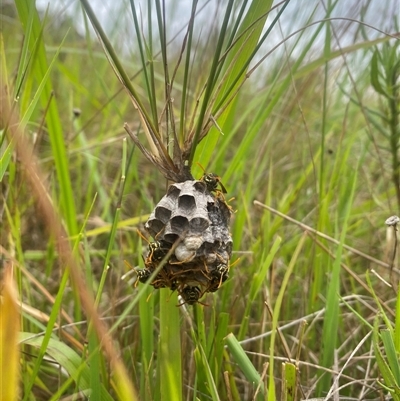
(218, 276)
(191, 294)
(157, 250)
(142, 275)
(212, 181)
(162, 280)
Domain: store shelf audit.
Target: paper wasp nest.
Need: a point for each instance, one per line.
(192, 223)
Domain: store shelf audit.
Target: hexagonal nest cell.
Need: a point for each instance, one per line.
(190, 227)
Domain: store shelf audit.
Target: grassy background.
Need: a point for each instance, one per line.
(313, 133)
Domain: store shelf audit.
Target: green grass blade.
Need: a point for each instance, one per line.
(276, 312)
(147, 318)
(219, 343)
(201, 360)
(383, 314)
(253, 18)
(95, 364)
(200, 340)
(391, 354)
(32, 106)
(52, 118)
(319, 62)
(200, 325)
(210, 81)
(375, 81)
(9, 332)
(256, 283)
(5, 160)
(149, 84)
(186, 72)
(239, 57)
(397, 323)
(289, 378)
(384, 368)
(67, 358)
(91, 164)
(116, 63)
(4, 76)
(45, 341)
(169, 349)
(331, 320)
(24, 60)
(245, 364)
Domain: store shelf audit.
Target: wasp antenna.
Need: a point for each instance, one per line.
(142, 236)
(222, 186)
(128, 274)
(234, 263)
(132, 270)
(204, 170)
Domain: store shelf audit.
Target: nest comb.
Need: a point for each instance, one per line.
(190, 223)
(194, 222)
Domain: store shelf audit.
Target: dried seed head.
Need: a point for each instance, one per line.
(392, 221)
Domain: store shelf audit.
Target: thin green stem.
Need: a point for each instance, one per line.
(210, 81)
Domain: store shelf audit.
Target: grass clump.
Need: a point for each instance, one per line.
(297, 120)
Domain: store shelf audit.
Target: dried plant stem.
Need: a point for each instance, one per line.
(322, 235)
(392, 261)
(393, 221)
